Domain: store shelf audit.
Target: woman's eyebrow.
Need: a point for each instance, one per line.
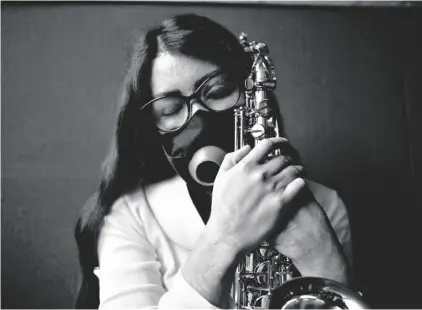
(195, 87)
(173, 92)
(205, 77)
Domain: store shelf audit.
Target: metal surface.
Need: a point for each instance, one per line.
(264, 277)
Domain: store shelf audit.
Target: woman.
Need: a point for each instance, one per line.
(155, 237)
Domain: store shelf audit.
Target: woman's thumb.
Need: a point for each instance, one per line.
(231, 159)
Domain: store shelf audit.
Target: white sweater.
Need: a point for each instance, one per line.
(150, 233)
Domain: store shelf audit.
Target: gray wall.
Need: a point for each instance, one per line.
(349, 85)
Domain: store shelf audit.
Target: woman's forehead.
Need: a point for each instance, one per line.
(177, 72)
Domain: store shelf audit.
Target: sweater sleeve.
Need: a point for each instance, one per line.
(129, 272)
(337, 213)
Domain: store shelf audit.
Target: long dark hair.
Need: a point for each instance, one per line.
(135, 157)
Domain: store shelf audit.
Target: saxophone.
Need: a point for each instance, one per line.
(265, 279)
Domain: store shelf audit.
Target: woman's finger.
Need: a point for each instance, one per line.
(286, 176)
(293, 189)
(231, 159)
(260, 152)
(275, 165)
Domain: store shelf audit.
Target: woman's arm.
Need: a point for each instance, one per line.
(210, 269)
(245, 210)
(337, 213)
(311, 242)
(244, 196)
(130, 274)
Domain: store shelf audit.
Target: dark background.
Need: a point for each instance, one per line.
(349, 87)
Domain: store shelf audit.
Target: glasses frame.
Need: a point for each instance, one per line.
(189, 101)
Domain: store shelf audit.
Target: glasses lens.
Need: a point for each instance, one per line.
(170, 113)
(220, 93)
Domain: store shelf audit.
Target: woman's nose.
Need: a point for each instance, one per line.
(196, 106)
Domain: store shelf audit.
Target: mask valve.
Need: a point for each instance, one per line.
(205, 164)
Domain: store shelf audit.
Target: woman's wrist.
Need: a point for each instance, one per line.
(210, 269)
(219, 240)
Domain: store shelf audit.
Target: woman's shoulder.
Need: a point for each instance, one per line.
(126, 210)
(137, 202)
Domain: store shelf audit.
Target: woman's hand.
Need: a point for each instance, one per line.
(308, 239)
(249, 195)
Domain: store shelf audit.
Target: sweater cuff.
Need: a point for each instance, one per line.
(182, 295)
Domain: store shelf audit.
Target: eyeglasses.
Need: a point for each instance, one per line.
(218, 93)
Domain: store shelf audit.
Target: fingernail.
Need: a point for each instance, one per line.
(299, 170)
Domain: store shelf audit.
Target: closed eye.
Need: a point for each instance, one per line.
(219, 92)
(166, 107)
(171, 110)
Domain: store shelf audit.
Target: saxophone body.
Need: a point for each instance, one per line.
(266, 279)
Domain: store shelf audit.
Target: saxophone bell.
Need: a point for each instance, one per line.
(315, 293)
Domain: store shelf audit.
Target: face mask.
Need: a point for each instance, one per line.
(197, 150)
